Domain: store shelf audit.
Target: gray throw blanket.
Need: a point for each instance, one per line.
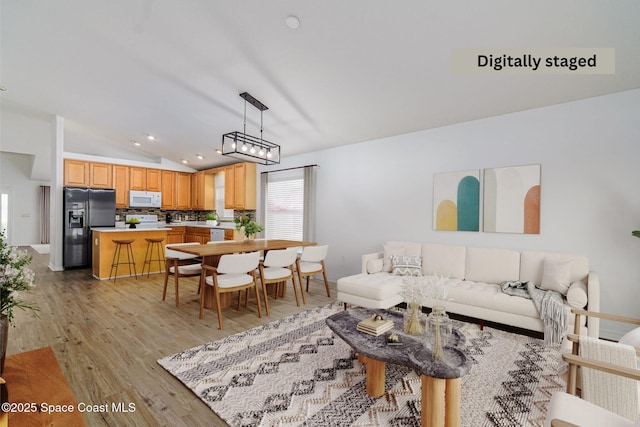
(550, 306)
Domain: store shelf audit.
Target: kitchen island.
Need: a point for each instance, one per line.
(104, 248)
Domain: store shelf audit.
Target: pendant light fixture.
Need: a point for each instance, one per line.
(250, 148)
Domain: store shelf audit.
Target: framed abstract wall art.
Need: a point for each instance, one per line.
(512, 199)
(456, 201)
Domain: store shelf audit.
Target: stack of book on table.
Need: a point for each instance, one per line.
(375, 325)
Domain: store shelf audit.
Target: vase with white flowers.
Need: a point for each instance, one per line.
(415, 294)
(16, 278)
(438, 325)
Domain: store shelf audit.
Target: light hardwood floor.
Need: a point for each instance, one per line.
(108, 337)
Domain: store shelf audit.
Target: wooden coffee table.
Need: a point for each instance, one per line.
(440, 378)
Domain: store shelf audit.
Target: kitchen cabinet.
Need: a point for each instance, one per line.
(100, 175)
(168, 190)
(240, 186)
(121, 184)
(176, 234)
(229, 234)
(137, 178)
(154, 180)
(76, 173)
(197, 234)
(202, 188)
(183, 190)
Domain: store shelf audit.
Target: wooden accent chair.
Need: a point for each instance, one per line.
(567, 409)
(235, 272)
(277, 268)
(310, 263)
(179, 264)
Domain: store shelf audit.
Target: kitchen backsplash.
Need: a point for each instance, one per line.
(186, 215)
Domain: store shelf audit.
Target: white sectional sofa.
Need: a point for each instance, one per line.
(474, 278)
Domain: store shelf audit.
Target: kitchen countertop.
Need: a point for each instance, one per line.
(222, 225)
(161, 225)
(121, 229)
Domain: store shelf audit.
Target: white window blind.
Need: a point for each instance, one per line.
(284, 216)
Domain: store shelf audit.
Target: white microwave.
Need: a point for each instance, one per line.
(145, 199)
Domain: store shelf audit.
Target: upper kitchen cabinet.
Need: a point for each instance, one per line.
(137, 178)
(100, 175)
(121, 184)
(240, 186)
(202, 191)
(80, 173)
(154, 180)
(183, 190)
(168, 190)
(76, 173)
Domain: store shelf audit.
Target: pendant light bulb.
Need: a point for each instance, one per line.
(253, 150)
(244, 147)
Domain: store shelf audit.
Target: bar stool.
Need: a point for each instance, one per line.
(153, 242)
(116, 258)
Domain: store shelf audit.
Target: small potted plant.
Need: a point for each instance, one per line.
(132, 222)
(248, 227)
(211, 219)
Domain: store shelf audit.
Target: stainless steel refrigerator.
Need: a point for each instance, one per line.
(85, 208)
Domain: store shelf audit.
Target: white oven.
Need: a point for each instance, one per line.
(145, 199)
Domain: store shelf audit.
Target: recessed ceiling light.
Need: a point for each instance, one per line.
(185, 161)
(200, 156)
(151, 137)
(136, 143)
(3, 89)
(292, 22)
(219, 151)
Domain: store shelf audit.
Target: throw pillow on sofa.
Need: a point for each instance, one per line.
(577, 295)
(375, 266)
(556, 275)
(406, 265)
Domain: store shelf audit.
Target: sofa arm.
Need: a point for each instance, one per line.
(593, 304)
(368, 257)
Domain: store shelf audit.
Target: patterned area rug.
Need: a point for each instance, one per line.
(296, 372)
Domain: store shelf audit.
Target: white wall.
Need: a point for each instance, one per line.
(24, 198)
(382, 190)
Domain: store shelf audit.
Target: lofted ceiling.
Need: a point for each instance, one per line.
(353, 71)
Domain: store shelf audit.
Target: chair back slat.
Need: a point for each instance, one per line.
(314, 253)
(238, 263)
(280, 258)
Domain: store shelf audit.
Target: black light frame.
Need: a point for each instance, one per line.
(240, 144)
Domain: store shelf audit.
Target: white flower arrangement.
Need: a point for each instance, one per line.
(15, 278)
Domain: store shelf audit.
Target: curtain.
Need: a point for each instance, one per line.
(45, 213)
(309, 231)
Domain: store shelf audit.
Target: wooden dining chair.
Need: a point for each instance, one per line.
(277, 268)
(179, 264)
(235, 272)
(310, 263)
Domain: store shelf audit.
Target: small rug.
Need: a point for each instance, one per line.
(41, 249)
(295, 371)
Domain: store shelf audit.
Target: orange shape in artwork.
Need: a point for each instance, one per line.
(532, 211)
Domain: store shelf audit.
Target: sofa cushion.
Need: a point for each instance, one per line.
(390, 251)
(532, 266)
(489, 296)
(445, 260)
(379, 286)
(577, 295)
(404, 265)
(492, 265)
(556, 275)
(375, 265)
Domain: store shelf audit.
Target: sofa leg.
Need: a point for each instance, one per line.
(482, 325)
(345, 306)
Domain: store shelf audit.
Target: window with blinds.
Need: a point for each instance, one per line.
(284, 213)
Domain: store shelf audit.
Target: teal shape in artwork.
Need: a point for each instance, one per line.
(469, 204)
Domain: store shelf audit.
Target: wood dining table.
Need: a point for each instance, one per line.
(211, 253)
